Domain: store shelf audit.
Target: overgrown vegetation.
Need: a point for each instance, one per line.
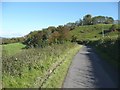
(108, 49)
(27, 63)
(58, 34)
(57, 78)
(12, 40)
(22, 70)
(103, 37)
(94, 32)
(47, 37)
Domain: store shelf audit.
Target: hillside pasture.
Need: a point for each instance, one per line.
(11, 49)
(93, 32)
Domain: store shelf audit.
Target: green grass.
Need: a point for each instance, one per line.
(106, 46)
(57, 78)
(11, 49)
(89, 32)
(23, 69)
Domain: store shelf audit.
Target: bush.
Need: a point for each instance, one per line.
(113, 27)
(108, 49)
(22, 69)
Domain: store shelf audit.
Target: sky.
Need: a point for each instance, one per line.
(20, 18)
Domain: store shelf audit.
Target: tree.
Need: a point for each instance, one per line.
(79, 22)
(64, 33)
(109, 20)
(87, 19)
(98, 20)
(71, 25)
(54, 38)
(51, 29)
(74, 38)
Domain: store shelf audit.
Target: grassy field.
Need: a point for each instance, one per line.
(93, 32)
(24, 68)
(11, 49)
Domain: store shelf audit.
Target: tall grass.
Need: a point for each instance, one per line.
(57, 78)
(22, 69)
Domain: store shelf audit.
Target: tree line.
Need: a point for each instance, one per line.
(58, 34)
(48, 36)
(89, 20)
(12, 40)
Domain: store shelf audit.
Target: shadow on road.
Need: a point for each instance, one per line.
(105, 76)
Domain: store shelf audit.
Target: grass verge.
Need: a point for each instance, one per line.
(57, 77)
(23, 69)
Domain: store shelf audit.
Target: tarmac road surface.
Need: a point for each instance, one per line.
(87, 70)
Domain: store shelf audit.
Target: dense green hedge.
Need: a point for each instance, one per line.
(108, 49)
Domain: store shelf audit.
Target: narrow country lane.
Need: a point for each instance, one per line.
(87, 71)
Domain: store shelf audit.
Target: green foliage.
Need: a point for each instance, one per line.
(87, 19)
(102, 20)
(51, 46)
(98, 20)
(92, 35)
(71, 25)
(22, 69)
(109, 20)
(12, 40)
(91, 32)
(11, 49)
(57, 78)
(113, 27)
(79, 22)
(74, 38)
(48, 36)
(107, 48)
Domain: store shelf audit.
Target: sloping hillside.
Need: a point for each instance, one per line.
(93, 35)
(93, 32)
